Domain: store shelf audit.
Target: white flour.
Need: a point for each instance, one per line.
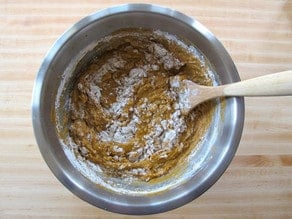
(163, 133)
(116, 130)
(179, 89)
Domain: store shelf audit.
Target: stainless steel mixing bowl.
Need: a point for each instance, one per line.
(206, 165)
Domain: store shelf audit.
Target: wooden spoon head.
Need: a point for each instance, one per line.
(188, 93)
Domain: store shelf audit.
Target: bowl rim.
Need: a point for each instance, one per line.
(39, 132)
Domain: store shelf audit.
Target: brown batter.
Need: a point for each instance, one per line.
(125, 117)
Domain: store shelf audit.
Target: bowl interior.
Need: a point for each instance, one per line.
(206, 164)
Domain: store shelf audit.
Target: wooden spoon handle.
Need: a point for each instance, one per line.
(277, 84)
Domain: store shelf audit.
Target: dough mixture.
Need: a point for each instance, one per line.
(124, 115)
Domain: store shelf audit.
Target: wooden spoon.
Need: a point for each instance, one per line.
(191, 94)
